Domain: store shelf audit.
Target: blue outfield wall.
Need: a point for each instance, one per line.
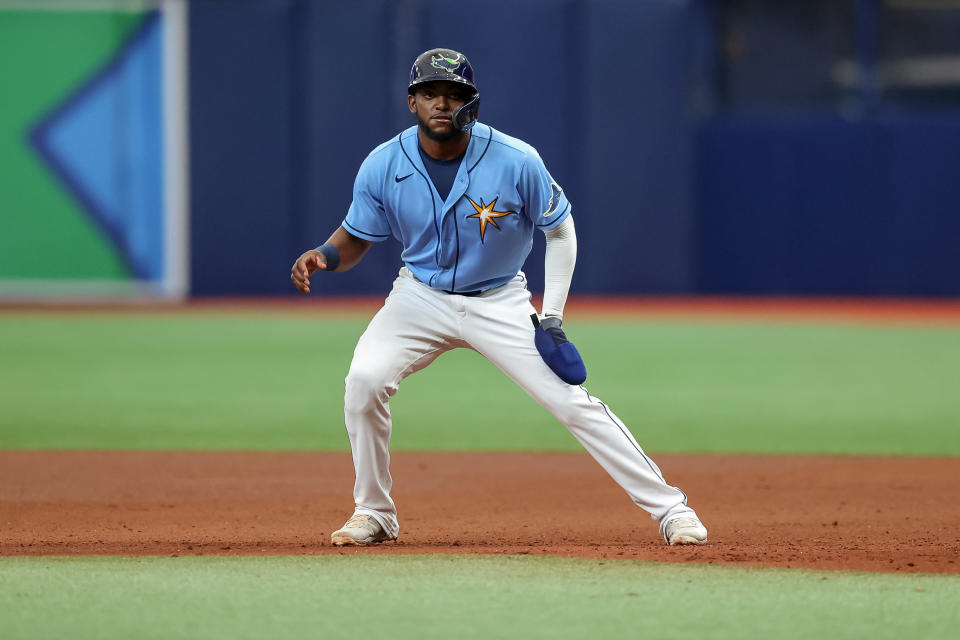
(819, 205)
(287, 97)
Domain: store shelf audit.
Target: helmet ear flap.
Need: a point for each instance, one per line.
(465, 116)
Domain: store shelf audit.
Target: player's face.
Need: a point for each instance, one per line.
(433, 105)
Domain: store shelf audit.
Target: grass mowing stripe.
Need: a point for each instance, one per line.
(465, 596)
(276, 383)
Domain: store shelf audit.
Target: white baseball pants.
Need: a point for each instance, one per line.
(417, 324)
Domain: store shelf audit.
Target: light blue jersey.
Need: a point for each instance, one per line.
(480, 235)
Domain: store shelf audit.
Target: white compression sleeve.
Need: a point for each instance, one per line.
(560, 258)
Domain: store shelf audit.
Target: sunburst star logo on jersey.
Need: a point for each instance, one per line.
(486, 214)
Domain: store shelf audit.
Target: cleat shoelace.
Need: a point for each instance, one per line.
(357, 522)
(684, 522)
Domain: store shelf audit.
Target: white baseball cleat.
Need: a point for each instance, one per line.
(360, 530)
(685, 530)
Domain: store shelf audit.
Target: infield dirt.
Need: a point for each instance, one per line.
(874, 514)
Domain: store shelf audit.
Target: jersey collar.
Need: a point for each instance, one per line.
(479, 140)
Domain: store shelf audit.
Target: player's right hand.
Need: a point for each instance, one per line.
(303, 268)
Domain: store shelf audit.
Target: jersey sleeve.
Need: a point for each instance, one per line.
(366, 218)
(545, 201)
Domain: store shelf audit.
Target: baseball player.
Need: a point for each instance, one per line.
(464, 200)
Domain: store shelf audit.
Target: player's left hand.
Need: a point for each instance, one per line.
(308, 262)
(557, 351)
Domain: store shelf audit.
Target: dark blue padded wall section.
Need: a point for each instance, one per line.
(345, 105)
(241, 145)
(819, 205)
(636, 220)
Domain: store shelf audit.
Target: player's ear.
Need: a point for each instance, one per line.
(412, 102)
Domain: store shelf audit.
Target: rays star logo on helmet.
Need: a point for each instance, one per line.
(442, 62)
(486, 214)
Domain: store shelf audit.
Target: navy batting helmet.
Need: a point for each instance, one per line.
(451, 66)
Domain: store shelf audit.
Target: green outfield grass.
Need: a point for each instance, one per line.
(275, 382)
(459, 596)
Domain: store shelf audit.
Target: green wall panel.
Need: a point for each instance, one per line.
(44, 57)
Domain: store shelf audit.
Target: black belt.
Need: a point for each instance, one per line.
(469, 294)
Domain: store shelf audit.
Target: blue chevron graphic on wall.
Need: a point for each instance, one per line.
(104, 143)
